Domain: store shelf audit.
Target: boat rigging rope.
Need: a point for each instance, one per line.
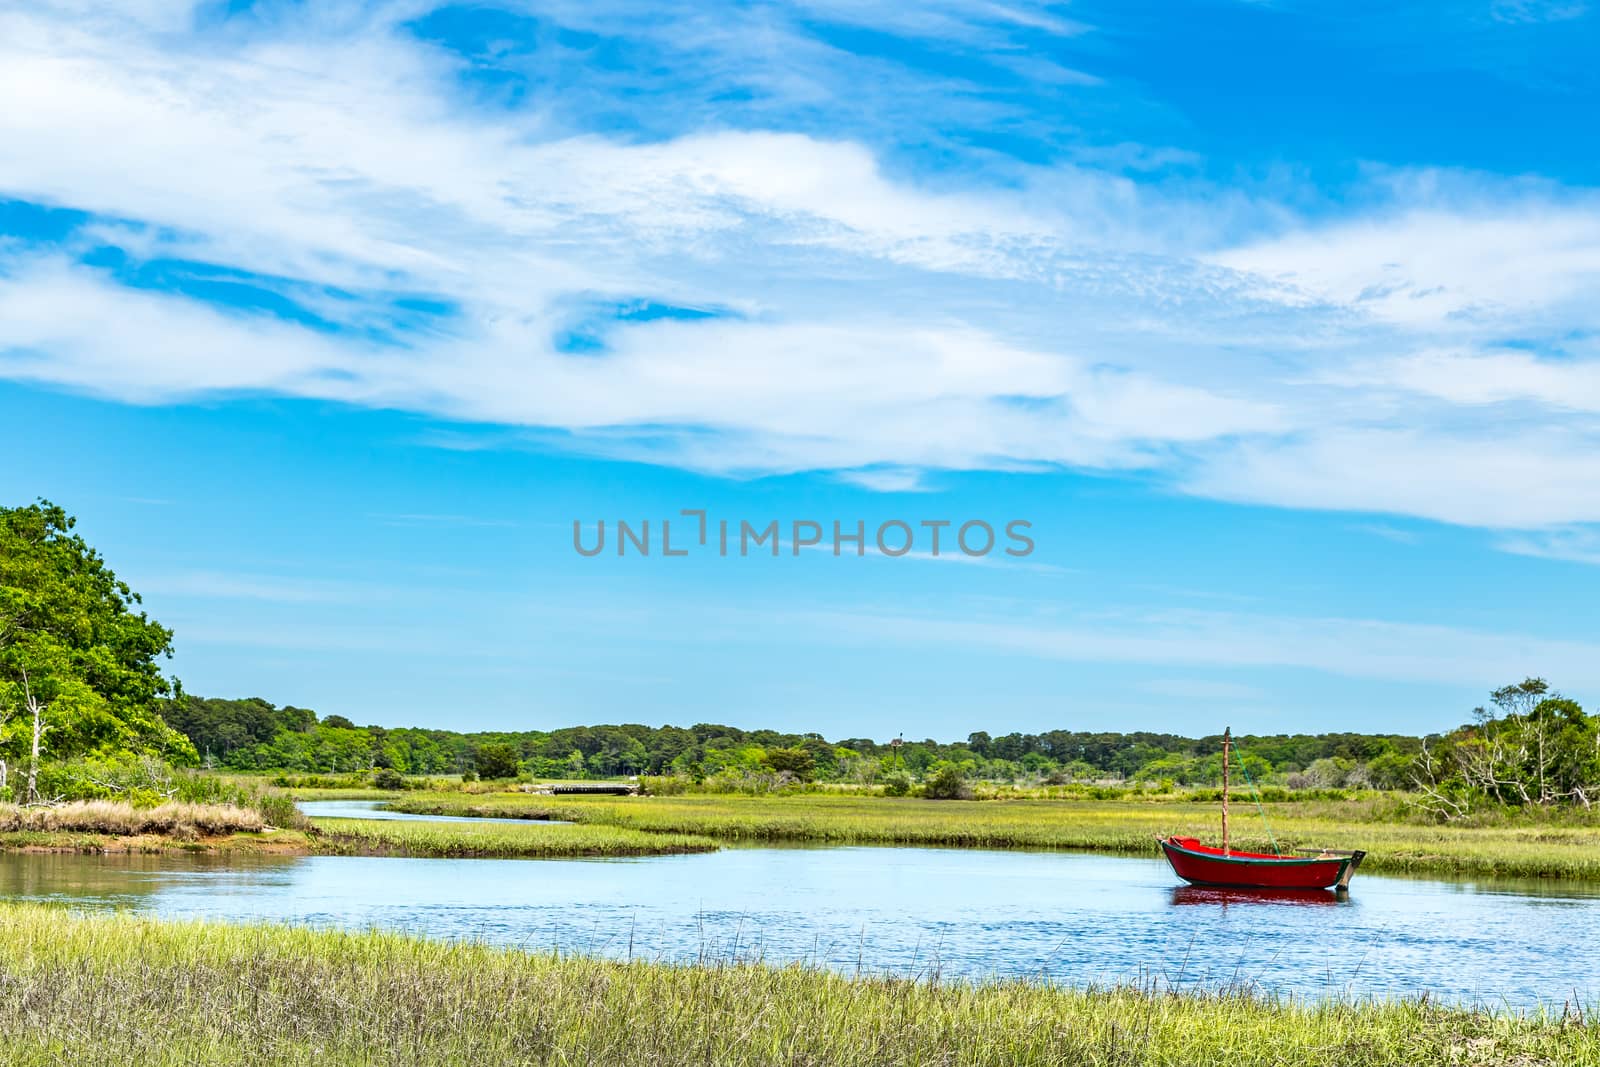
(1259, 809)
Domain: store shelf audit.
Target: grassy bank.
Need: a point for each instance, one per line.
(1126, 826)
(109, 990)
(96, 826)
(116, 818)
(110, 826)
(361, 837)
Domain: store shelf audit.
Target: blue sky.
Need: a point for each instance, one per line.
(1277, 321)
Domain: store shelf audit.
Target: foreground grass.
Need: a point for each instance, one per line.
(1126, 826)
(363, 837)
(107, 990)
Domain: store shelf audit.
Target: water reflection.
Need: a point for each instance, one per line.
(125, 879)
(1224, 896)
(373, 809)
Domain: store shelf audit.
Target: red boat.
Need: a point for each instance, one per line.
(1204, 865)
(1210, 866)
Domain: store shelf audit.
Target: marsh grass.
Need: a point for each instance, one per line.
(109, 990)
(119, 819)
(1568, 849)
(456, 839)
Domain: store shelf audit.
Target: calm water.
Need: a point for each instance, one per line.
(372, 809)
(1072, 917)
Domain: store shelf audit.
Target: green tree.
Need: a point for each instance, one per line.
(796, 761)
(497, 760)
(946, 782)
(1540, 750)
(80, 667)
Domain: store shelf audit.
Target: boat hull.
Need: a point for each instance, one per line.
(1200, 864)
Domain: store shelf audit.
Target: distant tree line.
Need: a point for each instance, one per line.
(254, 734)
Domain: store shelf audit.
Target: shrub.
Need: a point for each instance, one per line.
(388, 778)
(792, 761)
(946, 782)
(496, 760)
(896, 785)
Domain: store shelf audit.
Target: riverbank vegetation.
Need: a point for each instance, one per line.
(110, 817)
(119, 989)
(112, 826)
(1528, 847)
(374, 837)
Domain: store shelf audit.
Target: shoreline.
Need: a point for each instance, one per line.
(376, 839)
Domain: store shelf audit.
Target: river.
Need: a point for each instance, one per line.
(1068, 917)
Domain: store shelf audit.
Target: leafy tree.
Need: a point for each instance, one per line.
(795, 761)
(80, 668)
(1538, 749)
(946, 782)
(388, 778)
(497, 760)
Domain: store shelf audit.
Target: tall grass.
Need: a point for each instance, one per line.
(377, 837)
(1525, 849)
(112, 990)
(122, 820)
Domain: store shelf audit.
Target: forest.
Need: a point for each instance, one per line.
(254, 734)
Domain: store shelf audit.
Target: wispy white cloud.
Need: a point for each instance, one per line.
(1203, 689)
(1352, 647)
(1525, 11)
(1389, 533)
(872, 319)
(1574, 544)
(428, 520)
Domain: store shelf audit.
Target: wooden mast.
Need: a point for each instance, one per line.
(1227, 742)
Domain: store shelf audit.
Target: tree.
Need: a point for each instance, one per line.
(1540, 750)
(79, 663)
(946, 782)
(795, 761)
(497, 760)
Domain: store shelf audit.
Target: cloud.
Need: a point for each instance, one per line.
(1574, 544)
(1516, 479)
(1453, 271)
(1202, 689)
(1472, 378)
(1353, 647)
(1534, 11)
(398, 228)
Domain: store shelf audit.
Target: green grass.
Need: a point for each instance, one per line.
(96, 991)
(363, 837)
(1549, 850)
